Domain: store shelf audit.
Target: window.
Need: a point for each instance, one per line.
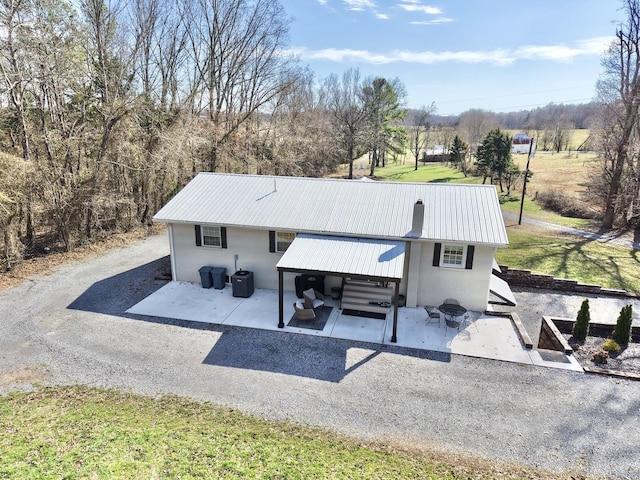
(211, 236)
(283, 240)
(453, 256)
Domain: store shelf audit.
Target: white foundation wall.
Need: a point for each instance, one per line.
(470, 287)
(251, 247)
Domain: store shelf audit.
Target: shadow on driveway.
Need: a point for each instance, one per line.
(115, 294)
(321, 358)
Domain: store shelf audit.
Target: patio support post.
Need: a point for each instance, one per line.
(394, 336)
(280, 299)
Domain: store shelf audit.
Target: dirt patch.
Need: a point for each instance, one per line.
(43, 265)
(23, 376)
(626, 362)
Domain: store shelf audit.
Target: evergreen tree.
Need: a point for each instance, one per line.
(581, 327)
(622, 330)
(494, 156)
(458, 154)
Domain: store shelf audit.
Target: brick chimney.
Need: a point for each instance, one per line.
(418, 218)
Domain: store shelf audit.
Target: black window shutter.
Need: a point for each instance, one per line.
(436, 254)
(272, 240)
(470, 251)
(198, 236)
(223, 237)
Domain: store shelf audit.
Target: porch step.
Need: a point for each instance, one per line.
(366, 297)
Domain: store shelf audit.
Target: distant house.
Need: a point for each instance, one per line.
(426, 241)
(521, 143)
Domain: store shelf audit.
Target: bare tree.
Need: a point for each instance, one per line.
(418, 130)
(474, 126)
(619, 93)
(345, 102)
(237, 58)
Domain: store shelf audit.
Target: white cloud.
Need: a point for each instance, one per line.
(359, 5)
(322, 2)
(415, 6)
(435, 21)
(500, 57)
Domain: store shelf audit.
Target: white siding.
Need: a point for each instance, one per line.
(252, 248)
(471, 287)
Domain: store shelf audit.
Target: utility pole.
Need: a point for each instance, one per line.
(526, 174)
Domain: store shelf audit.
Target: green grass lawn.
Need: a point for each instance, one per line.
(78, 432)
(565, 256)
(431, 172)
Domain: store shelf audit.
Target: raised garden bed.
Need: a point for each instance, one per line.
(625, 363)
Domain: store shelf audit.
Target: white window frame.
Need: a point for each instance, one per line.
(446, 256)
(284, 241)
(211, 232)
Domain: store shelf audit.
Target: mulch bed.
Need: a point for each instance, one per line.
(626, 363)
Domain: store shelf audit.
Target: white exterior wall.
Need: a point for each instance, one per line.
(252, 248)
(427, 284)
(470, 287)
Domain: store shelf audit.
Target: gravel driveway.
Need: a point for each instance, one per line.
(70, 328)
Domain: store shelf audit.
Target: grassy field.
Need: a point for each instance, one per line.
(77, 432)
(563, 172)
(577, 136)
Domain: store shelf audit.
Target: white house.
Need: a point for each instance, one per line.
(429, 241)
(521, 143)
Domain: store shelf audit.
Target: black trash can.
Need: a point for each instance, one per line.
(242, 283)
(218, 275)
(336, 293)
(205, 277)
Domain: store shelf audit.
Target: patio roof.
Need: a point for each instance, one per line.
(345, 256)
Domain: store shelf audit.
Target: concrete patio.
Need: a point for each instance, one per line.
(485, 336)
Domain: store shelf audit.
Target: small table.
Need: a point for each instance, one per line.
(451, 312)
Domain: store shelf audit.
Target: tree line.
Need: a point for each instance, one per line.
(107, 108)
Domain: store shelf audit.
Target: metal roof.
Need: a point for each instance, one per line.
(343, 255)
(453, 212)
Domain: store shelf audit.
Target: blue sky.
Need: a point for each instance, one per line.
(499, 55)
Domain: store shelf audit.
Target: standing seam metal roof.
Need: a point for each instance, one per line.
(352, 256)
(453, 212)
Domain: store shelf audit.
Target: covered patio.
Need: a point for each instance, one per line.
(486, 336)
(346, 257)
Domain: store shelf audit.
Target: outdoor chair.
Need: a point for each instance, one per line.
(304, 314)
(312, 298)
(433, 315)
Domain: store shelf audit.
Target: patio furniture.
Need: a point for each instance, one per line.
(312, 298)
(432, 315)
(304, 314)
(452, 309)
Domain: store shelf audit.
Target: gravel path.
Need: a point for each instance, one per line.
(70, 328)
(623, 241)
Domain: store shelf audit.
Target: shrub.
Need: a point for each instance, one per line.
(611, 346)
(581, 327)
(564, 204)
(601, 356)
(622, 330)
